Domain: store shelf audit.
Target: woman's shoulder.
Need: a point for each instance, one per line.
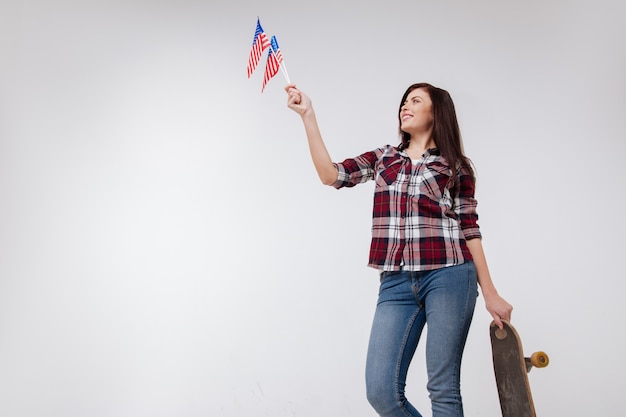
(377, 155)
(383, 151)
(389, 150)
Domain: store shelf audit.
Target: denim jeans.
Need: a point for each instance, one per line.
(444, 301)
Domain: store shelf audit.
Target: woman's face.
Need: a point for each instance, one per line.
(416, 114)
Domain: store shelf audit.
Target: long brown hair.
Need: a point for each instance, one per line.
(446, 131)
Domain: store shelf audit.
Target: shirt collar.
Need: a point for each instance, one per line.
(428, 152)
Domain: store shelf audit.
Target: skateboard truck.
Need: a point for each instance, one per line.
(538, 360)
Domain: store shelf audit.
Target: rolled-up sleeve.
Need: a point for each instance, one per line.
(357, 170)
(465, 205)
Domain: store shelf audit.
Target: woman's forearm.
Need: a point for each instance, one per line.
(482, 270)
(497, 306)
(326, 170)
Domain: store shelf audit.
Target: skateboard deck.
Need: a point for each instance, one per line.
(511, 369)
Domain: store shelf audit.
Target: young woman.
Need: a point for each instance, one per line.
(426, 243)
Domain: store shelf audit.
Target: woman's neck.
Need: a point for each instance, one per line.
(419, 144)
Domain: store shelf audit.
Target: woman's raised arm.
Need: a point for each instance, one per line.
(301, 104)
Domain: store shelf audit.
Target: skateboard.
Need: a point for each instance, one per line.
(511, 369)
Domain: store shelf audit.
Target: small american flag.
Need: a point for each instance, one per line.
(274, 59)
(259, 44)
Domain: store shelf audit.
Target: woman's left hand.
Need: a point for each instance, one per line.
(499, 308)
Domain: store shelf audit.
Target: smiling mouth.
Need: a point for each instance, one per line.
(406, 117)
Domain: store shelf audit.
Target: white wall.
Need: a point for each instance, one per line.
(167, 250)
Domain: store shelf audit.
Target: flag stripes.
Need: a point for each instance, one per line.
(259, 44)
(274, 59)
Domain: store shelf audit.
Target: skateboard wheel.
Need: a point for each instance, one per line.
(539, 359)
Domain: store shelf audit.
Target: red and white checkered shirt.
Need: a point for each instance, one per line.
(420, 221)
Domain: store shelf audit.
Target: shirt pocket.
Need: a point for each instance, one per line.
(435, 179)
(388, 170)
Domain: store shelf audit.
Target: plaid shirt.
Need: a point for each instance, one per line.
(420, 220)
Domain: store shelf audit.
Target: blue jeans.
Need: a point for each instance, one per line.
(444, 299)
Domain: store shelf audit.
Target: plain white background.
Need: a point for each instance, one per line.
(166, 248)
